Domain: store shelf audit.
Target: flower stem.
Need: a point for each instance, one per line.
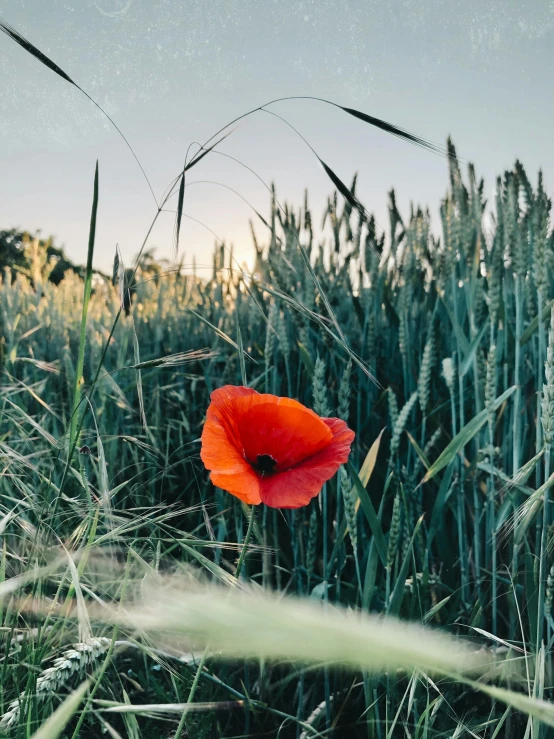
(204, 656)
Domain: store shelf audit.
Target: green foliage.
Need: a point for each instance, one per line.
(37, 258)
(454, 331)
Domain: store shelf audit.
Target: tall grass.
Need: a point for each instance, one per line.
(443, 517)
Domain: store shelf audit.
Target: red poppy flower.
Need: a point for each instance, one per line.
(265, 449)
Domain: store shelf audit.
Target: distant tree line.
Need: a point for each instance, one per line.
(39, 259)
(23, 252)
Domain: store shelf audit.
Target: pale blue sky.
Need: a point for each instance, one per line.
(172, 72)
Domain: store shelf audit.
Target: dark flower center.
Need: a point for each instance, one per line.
(265, 464)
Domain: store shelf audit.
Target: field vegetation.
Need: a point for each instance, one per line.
(125, 572)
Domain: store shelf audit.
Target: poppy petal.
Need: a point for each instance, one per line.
(244, 486)
(287, 433)
(260, 424)
(297, 486)
(222, 407)
(243, 425)
(229, 470)
(221, 411)
(223, 395)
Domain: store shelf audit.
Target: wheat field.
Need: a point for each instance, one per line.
(412, 598)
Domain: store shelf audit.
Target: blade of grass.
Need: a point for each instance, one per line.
(55, 725)
(86, 300)
(370, 513)
(464, 436)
